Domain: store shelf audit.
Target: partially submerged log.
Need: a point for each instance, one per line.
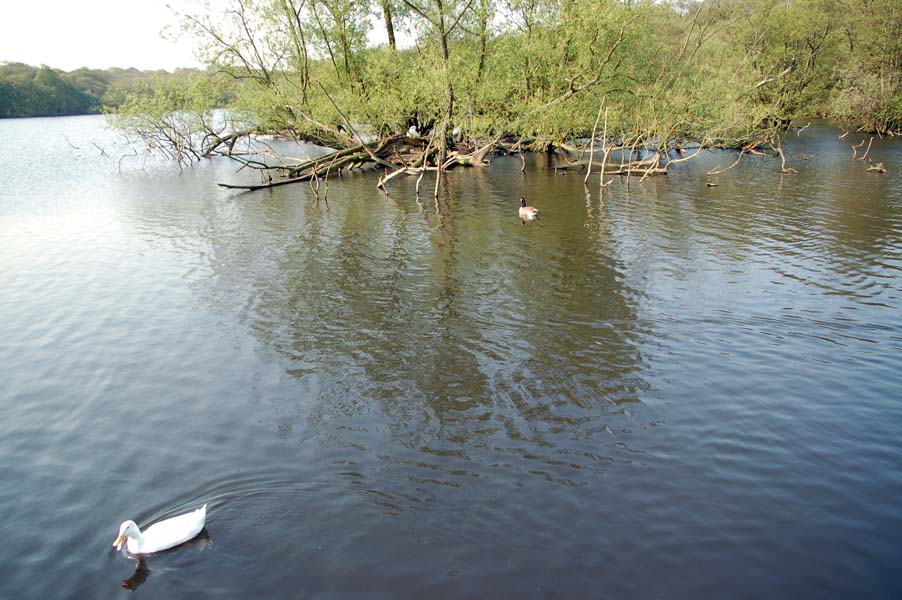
(318, 167)
(476, 158)
(397, 154)
(267, 185)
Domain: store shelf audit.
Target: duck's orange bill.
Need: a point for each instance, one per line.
(119, 541)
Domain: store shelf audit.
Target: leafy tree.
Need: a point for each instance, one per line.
(731, 73)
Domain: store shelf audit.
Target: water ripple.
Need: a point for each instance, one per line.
(376, 396)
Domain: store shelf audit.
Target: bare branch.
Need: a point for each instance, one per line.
(767, 80)
(719, 171)
(459, 16)
(592, 142)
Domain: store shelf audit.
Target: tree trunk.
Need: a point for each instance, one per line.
(389, 25)
(441, 135)
(483, 40)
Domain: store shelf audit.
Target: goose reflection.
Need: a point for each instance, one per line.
(142, 571)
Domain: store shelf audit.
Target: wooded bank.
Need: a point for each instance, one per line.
(644, 80)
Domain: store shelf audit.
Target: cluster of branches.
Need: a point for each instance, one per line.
(178, 119)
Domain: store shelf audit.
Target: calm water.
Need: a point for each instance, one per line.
(673, 391)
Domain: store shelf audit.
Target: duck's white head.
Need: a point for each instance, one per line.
(126, 530)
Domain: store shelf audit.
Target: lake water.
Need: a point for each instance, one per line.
(670, 391)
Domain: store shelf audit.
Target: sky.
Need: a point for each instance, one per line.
(98, 34)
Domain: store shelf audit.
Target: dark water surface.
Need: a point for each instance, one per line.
(673, 391)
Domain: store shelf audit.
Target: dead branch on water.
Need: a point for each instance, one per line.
(592, 144)
(783, 168)
(865, 155)
(717, 171)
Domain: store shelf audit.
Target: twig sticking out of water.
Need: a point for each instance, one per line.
(717, 171)
(71, 145)
(126, 156)
(783, 168)
(316, 187)
(604, 147)
(865, 155)
(592, 144)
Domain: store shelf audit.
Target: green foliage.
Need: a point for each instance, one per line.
(723, 72)
(867, 78)
(178, 116)
(26, 91)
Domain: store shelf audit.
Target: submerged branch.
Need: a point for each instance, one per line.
(395, 154)
(717, 171)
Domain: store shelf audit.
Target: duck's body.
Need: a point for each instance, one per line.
(528, 212)
(162, 535)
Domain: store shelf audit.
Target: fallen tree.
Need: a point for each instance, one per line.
(397, 154)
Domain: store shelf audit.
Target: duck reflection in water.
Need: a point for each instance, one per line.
(138, 577)
(142, 572)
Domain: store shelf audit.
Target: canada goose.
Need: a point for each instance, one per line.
(528, 212)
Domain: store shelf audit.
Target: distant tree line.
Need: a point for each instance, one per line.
(27, 91)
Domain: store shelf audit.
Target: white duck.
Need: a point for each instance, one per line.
(163, 535)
